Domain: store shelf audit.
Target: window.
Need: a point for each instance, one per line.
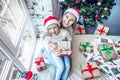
(26, 47)
(12, 20)
(16, 74)
(17, 39)
(4, 64)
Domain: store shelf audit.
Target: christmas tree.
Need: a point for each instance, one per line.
(92, 11)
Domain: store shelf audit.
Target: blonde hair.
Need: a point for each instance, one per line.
(47, 32)
(73, 25)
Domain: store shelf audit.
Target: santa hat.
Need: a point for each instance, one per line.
(74, 11)
(51, 20)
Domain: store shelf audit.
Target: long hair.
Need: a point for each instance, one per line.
(73, 25)
(48, 34)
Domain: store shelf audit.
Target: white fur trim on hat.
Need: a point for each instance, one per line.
(53, 21)
(73, 11)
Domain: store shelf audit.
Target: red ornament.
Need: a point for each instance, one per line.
(96, 16)
(84, 17)
(29, 75)
(76, 2)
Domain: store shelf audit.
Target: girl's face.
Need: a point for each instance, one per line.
(68, 19)
(53, 29)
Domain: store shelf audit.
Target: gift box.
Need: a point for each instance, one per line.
(101, 30)
(117, 47)
(40, 63)
(85, 47)
(90, 70)
(94, 57)
(107, 51)
(111, 69)
(80, 29)
(65, 47)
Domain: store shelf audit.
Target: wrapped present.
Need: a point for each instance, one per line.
(111, 69)
(94, 58)
(65, 47)
(40, 64)
(107, 52)
(85, 47)
(80, 29)
(90, 70)
(117, 47)
(101, 30)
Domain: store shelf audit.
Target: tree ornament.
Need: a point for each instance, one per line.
(96, 16)
(105, 8)
(99, 3)
(83, 0)
(102, 16)
(76, 2)
(84, 17)
(96, 11)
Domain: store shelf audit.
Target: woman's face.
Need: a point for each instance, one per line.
(68, 19)
(53, 29)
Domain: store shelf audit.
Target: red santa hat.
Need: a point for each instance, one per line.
(51, 20)
(74, 11)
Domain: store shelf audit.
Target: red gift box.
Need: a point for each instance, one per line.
(40, 63)
(90, 70)
(80, 30)
(101, 30)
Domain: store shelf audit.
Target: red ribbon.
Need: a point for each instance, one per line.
(39, 61)
(101, 30)
(80, 29)
(117, 46)
(90, 69)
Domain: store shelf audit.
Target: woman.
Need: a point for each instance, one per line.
(69, 20)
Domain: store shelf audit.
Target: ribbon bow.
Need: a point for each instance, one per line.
(101, 30)
(90, 69)
(107, 50)
(80, 29)
(117, 46)
(85, 46)
(39, 61)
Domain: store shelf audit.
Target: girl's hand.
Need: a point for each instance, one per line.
(58, 52)
(70, 53)
(53, 46)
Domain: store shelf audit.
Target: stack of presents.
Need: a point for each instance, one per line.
(100, 30)
(102, 57)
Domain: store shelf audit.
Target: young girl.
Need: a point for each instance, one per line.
(69, 20)
(53, 35)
